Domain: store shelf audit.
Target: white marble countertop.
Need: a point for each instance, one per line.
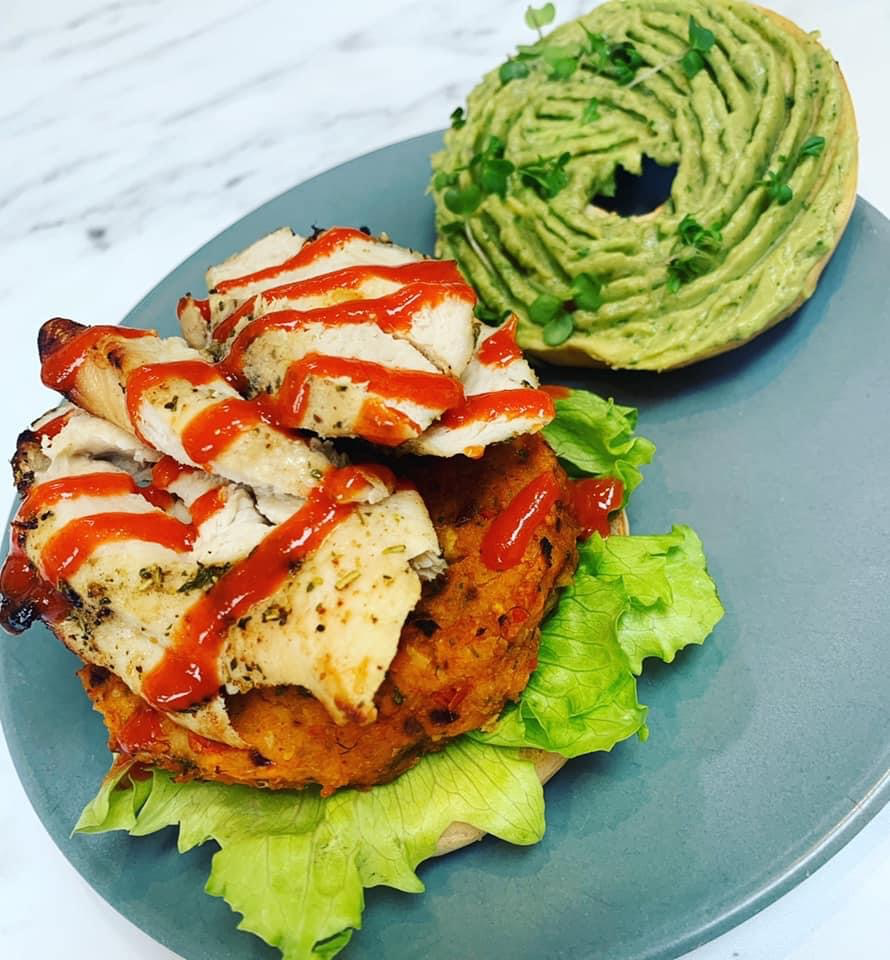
(134, 130)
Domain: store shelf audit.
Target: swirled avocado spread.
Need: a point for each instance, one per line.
(751, 111)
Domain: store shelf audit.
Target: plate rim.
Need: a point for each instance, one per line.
(790, 876)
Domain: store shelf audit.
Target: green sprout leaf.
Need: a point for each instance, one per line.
(591, 111)
(547, 176)
(693, 234)
(513, 70)
(444, 179)
(563, 59)
(540, 17)
(597, 47)
(587, 292)
(624, 61)
(463, 200)
(563, 67)
(776, 181)
(698, 255)
(489, 168)
(458, 118)
(544, 308)
(558, 330)
(776, 184)
(784, 194)
(456, 228)
(491, 318)
(812, 147)
(493, 175)
(620, 61)
(691, 62)
(700, 38)
(686, 268)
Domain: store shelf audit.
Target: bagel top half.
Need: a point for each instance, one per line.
(764, 92)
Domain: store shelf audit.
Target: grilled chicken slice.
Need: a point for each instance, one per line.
(269, 251)
(317, 600)
(331, 250)
(425, 303)
(170, 396)
(311, 343)
(502, 400)
(339, 371)
(342, 342)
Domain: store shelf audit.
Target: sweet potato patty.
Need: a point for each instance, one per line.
(467, 649)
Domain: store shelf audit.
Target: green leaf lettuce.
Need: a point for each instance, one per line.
(591, 435)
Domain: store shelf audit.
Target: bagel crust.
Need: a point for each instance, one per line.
(765, 90)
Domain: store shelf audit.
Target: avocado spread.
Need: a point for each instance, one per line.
(756, 118)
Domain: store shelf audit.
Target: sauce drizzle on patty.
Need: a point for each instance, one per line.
(511, 531)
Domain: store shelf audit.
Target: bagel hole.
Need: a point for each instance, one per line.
(637, 195)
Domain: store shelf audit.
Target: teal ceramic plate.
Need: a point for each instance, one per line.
(768, 748)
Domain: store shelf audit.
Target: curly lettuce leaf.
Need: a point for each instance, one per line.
(658, 623)
(632, 598)
(591, 435)
(295, 865)
(113, 808)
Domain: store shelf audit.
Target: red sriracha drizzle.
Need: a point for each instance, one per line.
(53, 427)
(524, 402)
(196, 372)
(142, 731)
(202, 306)
(188, 673)
(594, 498)
(392, 314)
(556, 391)
(59, 369)
(511, 531)
(324, 245)
(68, 549)
(26, 594)
(377, 422)
(349, 484)
(347, 279)
(167, 471)
(99, 484)
(211, 431)
(209, 503)
(501, 349)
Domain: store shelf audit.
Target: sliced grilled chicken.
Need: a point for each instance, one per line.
(426, 303)
(334, 626)
(88, 473)
(184, 587)
(170, 396)
(269, 251)
(336, 372)
(293, 340)
(331, 250)
(502, 400)
(194, 322)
